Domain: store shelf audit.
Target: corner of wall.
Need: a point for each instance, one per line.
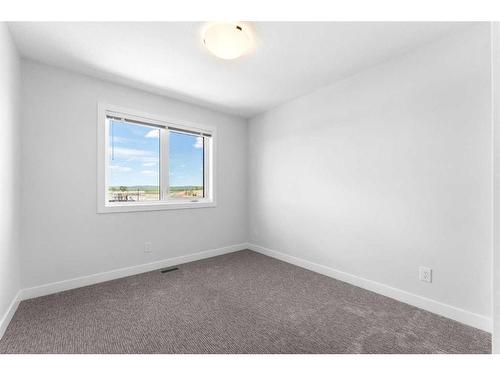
(10, 111)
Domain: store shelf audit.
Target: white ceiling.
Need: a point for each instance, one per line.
(290, 58)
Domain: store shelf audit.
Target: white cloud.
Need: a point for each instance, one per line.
(148, 172)
(153, 133)
(151, 164)
(134, 154)
(199, 142)
(130, 152)
(119, 168)
(116, 139)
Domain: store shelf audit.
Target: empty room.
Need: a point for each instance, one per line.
(248, 187)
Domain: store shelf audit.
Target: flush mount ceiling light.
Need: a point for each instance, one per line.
(227, 40)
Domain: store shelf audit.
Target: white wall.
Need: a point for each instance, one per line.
(386, 171)
(64, 237)
(9, 172)
(374, 175)
(495, 50)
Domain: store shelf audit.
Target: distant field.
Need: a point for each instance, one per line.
(151, 193)
(182, 193)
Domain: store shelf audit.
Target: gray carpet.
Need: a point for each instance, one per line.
(242, 302)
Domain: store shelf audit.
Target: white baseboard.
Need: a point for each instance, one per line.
(6, 318)
(78, 282)
(463, 316)
(451, 312)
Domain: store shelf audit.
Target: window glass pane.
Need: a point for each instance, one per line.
(134, 162)
(186, 166)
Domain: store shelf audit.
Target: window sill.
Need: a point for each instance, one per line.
(152, 206)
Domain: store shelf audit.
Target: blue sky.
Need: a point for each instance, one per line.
(135, 154)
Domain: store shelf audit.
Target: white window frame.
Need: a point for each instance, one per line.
(104, 206)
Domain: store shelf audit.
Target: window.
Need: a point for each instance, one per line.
(150, 163)
(133, 162)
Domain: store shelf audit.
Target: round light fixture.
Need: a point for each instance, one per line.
(227, 40)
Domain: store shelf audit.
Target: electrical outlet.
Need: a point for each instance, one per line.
(147, 247)
(425, 274)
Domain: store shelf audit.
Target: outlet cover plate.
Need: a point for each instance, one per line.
(425, 274)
